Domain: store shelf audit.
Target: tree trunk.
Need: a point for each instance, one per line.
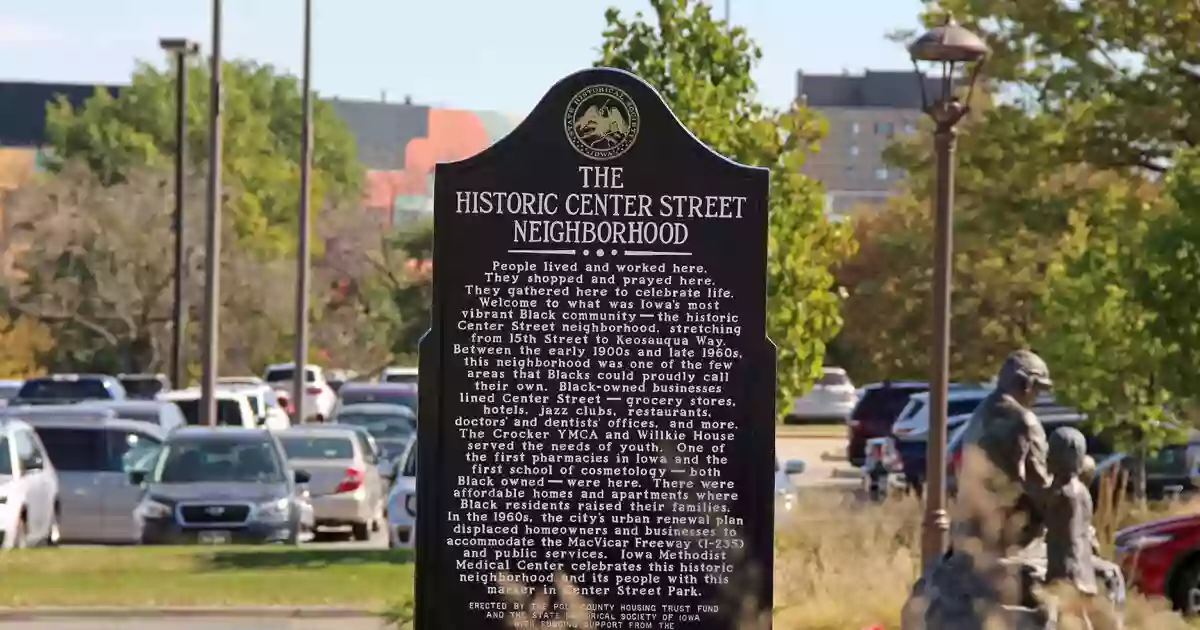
(1137, 477)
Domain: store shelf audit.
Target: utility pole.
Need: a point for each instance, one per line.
(212, 258)
(302, 252)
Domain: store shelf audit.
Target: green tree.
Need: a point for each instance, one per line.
(1117, 77)
(1098, 337)
(262, 118)
(1170, 273)
(702, 68)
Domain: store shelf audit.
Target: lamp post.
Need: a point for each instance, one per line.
(181, 49)
(954, 48)
(300, 357)
(212, 245)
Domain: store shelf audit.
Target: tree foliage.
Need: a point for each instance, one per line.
(262, 117)
(1117, 77)
(94, 264)
(1099, 337)
(23, 342)
(702, 68)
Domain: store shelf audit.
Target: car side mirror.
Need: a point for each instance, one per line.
(302, 476)
(137, 477)
(34, 463)
(793, 467)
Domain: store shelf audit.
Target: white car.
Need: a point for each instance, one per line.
(264, 403)
(233, 408)
(28, 489)
(399, 375)
(402, 501)
(319, 397)
(832, 397)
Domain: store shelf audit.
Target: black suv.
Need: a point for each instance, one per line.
(876, 411)
(222, 485)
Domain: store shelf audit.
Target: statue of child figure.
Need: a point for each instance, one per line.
(1070, 537)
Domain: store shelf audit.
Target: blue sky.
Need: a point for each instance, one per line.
(474, 54)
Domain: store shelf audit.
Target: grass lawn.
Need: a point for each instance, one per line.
(810, 430)
(205, 576)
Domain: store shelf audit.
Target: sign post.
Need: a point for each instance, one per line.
(596, 436)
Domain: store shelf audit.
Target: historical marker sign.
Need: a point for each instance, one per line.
(597, 415)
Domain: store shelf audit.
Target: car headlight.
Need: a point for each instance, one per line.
(276, 510)
(150, 509)
(1145, 542)
(410, 504)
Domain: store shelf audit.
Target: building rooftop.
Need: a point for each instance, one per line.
(887, 89)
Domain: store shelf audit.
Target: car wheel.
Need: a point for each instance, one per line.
(1185, 590)
(55, 534)
(19, 539)
(361, 531)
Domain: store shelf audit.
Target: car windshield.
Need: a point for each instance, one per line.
(6, 468)
(410, 463)
(279, 375)
(914, 408)
(8, 392)
(833, 379)
(391, 397)
(143, 386)
(962, 407)
(140, 415)
(52, 389)
(380, 425)
(298, 447)
(884, 403)
(229, 412)
(254, 406)
(219, 460)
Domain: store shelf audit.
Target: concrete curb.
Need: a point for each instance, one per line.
(182, 612)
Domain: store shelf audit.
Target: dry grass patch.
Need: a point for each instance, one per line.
(843, 565)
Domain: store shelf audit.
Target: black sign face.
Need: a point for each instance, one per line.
(597, 391)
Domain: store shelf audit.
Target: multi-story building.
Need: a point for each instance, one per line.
(865, 113)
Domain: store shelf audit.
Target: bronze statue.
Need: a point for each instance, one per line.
(1022, 518)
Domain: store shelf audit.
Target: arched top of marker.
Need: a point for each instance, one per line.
(601, 116)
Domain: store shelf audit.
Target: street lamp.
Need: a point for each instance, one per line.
(300, 354)
(212, 240)
(959, 52)
(181, 49)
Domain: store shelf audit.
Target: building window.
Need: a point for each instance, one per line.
(883, 128)
(854, 129)
(854, 150)
(881, 174)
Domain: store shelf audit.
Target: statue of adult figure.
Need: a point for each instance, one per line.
(998, 552)
(1005, 479)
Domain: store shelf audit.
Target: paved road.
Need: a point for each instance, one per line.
(820, 468)
(212, 623)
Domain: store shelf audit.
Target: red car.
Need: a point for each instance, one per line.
(1163, 558)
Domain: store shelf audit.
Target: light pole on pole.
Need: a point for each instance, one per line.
(302, 251)
(181, 49)
(959, 52)
(212, 256)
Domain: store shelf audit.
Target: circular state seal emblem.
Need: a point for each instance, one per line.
(602, 122)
